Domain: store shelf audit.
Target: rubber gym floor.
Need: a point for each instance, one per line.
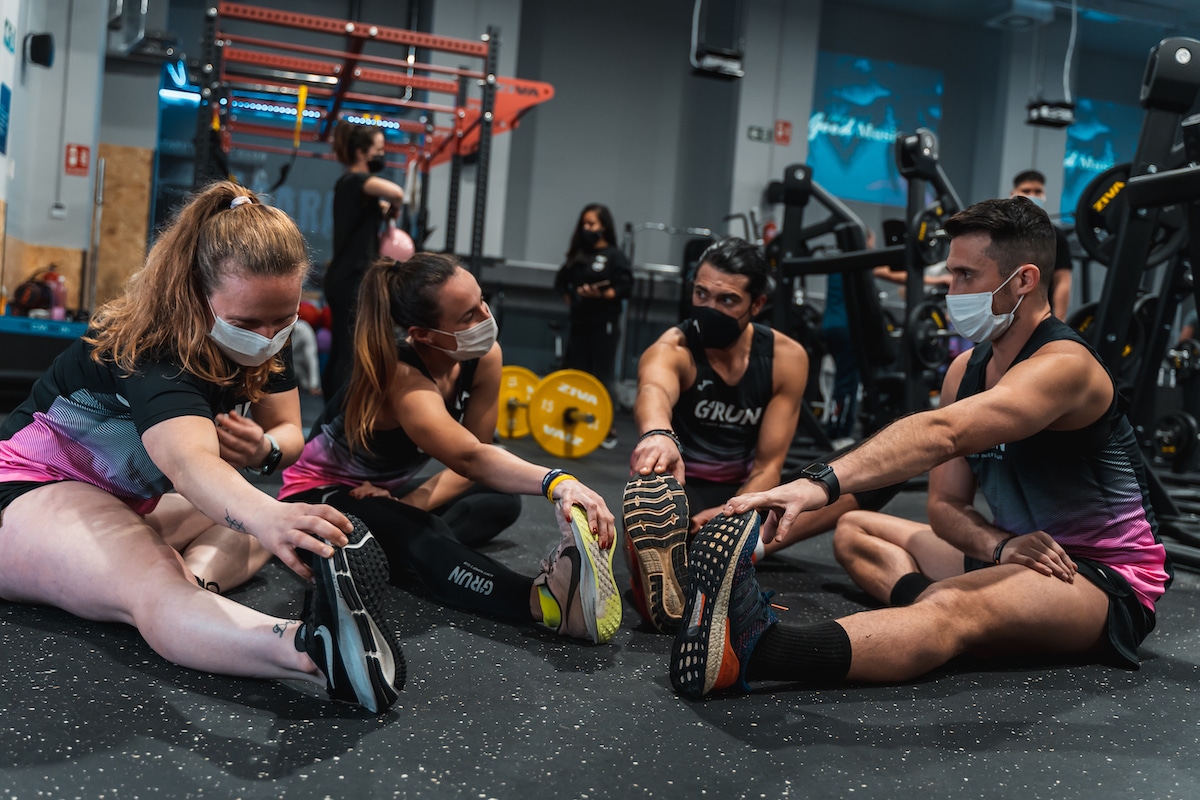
(492, 710)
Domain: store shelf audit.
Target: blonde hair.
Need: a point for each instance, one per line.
(163, 312)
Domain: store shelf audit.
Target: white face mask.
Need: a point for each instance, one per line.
(244, 347)
(474, 342)
(972, 317)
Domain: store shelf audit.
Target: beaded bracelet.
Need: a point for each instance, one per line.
(663, 432)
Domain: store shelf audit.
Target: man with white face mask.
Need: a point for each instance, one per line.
(1070, 564)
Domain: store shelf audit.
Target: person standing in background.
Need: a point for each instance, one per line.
(595, 280)
(361, 202)
(1032, 184)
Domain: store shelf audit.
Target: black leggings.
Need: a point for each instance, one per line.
(431, 548)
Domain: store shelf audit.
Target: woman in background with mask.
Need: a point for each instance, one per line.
(594, 280)
(426, 385)
(178, 383)
(362, 202)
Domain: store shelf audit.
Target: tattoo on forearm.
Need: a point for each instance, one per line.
(233, 523)
(281, 627)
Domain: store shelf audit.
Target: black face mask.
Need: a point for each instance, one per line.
(376, 165)
(716, 330)
(589, 238)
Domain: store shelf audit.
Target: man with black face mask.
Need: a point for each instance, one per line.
(718, 401)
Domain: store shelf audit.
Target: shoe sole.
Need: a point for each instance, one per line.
(655, 513)
(702, 658)
(370, 654)
(597, 584)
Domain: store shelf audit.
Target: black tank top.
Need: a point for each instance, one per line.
(718, 424)
(392, 458)
(1086, 488)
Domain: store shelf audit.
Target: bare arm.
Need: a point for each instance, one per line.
(1060, 387)
(1061, 301)
(415, 397)
(663, 371)
(391, 193)
(186, 449)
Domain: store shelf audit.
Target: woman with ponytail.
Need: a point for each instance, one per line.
(180, 382)
(425, 385)
(362, 201)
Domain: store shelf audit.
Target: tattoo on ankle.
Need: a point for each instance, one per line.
(233, 523)
(281, 627)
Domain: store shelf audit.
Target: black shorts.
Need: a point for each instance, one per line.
(13, 489)
(1129, 622)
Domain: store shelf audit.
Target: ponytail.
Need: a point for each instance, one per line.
(393, 297)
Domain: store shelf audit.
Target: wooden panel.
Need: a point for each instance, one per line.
(125, 218)
(23, 260)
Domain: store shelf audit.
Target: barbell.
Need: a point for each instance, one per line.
(568, 412)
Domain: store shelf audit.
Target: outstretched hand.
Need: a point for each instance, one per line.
(657, 454)
(296, 526)
(780, 505)
(600, 519)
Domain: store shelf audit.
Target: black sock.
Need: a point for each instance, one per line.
(814, 654)
(906, 590)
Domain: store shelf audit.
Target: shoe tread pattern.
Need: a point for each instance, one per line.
(701, 647)
(598, 586)
(655, 512)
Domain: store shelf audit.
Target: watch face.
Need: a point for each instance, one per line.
(817, 471)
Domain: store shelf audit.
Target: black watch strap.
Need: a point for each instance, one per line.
(823, 474)
(273, 457)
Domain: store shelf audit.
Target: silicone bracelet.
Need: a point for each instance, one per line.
(566, 476)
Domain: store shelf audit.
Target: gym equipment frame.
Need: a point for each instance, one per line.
(329, 81)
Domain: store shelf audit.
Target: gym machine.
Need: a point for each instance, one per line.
(793, 255)
(1143, 233)
(926, 340)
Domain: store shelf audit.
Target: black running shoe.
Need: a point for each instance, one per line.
(726, 613)
(342, 629)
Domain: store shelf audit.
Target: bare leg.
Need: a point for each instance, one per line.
(1008, 609)
(876, 550)
(73, 546)
(220, 556)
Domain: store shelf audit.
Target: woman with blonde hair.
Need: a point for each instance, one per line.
(180, 382)
(426, 385)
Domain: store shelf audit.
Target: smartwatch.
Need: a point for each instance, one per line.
(823, 474)
(273, 457)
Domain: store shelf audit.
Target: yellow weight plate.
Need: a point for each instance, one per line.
(570, 413)
(516, 388)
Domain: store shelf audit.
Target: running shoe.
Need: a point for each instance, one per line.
(576, 587)
(726, 611)
(656, 526)
(342, 628)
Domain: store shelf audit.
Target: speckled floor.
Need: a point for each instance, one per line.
(496, 711)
